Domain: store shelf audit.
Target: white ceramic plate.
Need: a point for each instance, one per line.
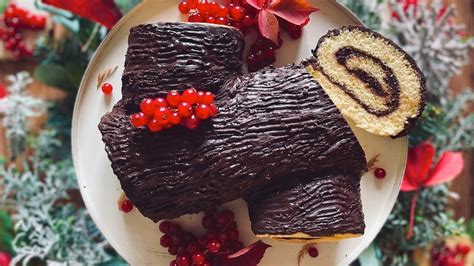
(135, 237)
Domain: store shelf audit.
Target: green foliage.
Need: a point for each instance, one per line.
(6, 232)
(366, 10)
(432, 223)
(126, 5)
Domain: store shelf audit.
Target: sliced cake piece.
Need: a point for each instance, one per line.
(370, 79)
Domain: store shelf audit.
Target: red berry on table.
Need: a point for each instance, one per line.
(173, 250)
(232, 234)
(154, 125)
(210, 19)
(182, 261)
(175, 118)
(208, 222)
(191, 122)
(174, 98)
(173, 262)
(295, 31)
(160, 102)
(11, 32)
(165, 241)
(174, 229)
(247, 20)
(190, 95)
(313, 252)
(237, 13)
(213, 109)
(205, 97)
(184, 7)
(148, 106)
(194, 247)
(182, 251)
(222, 11)
(236, 24)
(207, 263)
(164, 226)
(138, 119)
(463, 248)
(380, 173)
(198, 258)
(222, 20)
(196, 17)
(202, 7)
(203, 111)
(163, 115)
(213, 246)
(185, 109)
(192, 4)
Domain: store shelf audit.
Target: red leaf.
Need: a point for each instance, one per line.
(294, 11)
(104, 12)
(248, 256)
(268, 25)
(449, 166)
(258, 4)
(419, 163)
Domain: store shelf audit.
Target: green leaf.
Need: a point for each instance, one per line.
(6, 232)
(54, 75)
(117, 261)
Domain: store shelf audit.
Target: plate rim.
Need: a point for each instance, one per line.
(75, 120)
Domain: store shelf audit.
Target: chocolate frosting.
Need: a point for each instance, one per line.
(274, 127)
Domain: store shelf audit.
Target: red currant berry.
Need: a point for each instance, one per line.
(380, 173)
(163, 115)
(190, 95)
(213, 246)
(175, 118)
(212, 7)
(165, 241)
(192, 4)
(183, 261)
(138, 119)
(313, 252)
(164, 227)
(194, 247)
(205, 97)
(208, 222)
(11, 32)
(202, 7)
(126, 206)
(191, 122)
(106, 87)
(251, 60)
(173, 98)
(203, 240)
(185, 109)
(247, 20)
(463, 248)
(174, 229)
(148, 106)
(196, 17)
(182, 251)
(225, 217)
(213, 109)
(160, 102)
(198, 258)
(222, 11)
(206, 263)
(184, 7)
(173, 263)
(210, 19)
(203, 111)
(236, 24)
(154, 125)
(222, 20)
(173, 250)
(295, 31)
(237, 13)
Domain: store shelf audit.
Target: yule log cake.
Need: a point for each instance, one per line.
(278, 139)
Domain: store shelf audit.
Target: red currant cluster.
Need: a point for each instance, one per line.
(448, 256)
(15, 19)
(187, 109)
(236, 13)
(222, 237)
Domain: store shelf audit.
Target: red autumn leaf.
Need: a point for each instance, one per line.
(248, 256)
(104, 12)
(449, 166)
(294, 11)
(420, 159)
(268, 25)
(258, 4)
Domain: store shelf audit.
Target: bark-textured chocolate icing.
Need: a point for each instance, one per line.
(274, 127)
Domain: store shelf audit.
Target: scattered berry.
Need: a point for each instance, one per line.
(173, 263)
(175, 118)
(185, 109)
(191, 122)
(213, 246)
(125, 205)
(154, 125)
(237, 13)
(165, 241)
(148, 106)
(163, 115)
(198, 258)
(203, 111)
(213, 109)
(173, 98)
(380, 173)
(184, 7)
(222, 11)
(313, 252)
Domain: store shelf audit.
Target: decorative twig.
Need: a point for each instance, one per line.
(104, 74)
(371, 163)
(303, 252)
